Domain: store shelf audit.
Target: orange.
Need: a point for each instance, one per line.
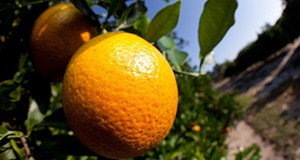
(196, 128)
(119, 95)
(57, 33)
(228, 129)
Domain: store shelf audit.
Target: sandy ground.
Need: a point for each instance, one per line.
(264, 78)
(244, 136)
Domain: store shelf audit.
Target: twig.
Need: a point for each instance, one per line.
(27, 149)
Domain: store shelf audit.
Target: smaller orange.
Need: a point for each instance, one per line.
(57, 33)
(228, 129)
(196, 128)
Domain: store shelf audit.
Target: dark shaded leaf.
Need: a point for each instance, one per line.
(63, 145)
(8, 95)
(16, 95)
(83, 6)
(6, 87)
(163, 22)
(56, 120)
(9, 4)
(133, 13)
(215, 21)
(114, 7)
(41, 92)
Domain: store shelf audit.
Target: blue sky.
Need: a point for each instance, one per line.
(251, 16)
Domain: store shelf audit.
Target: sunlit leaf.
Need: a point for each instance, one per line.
(34, 116)
(215, 21)
(167, 43)
(6, 152)
(19, 152)
(177, 58)
(163, 22)
(5, 133)
(210, 58)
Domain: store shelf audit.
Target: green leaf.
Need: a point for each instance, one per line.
(252, 152)
(9, 95)
(56, 120)
(15, 95)
(209, 59)
(83, 6)
(10, 90)
(216, 19)
(19, 152)
(142, 24)
(3, 130)
(114, 7)
(163, 22)
(6, 152)
(134, 12)
(34, 116)
(177, 58)
(167, 43)
(5, 133)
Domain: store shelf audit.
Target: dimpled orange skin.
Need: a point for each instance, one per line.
(57, 33)
(119, 95)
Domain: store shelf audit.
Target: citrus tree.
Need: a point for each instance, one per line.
(33, 124)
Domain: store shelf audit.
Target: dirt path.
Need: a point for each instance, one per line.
(244, 136)
(268, 83)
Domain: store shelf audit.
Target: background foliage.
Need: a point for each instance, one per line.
(31, 116)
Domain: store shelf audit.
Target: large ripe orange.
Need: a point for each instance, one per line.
(57, 33)
(119, 95)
